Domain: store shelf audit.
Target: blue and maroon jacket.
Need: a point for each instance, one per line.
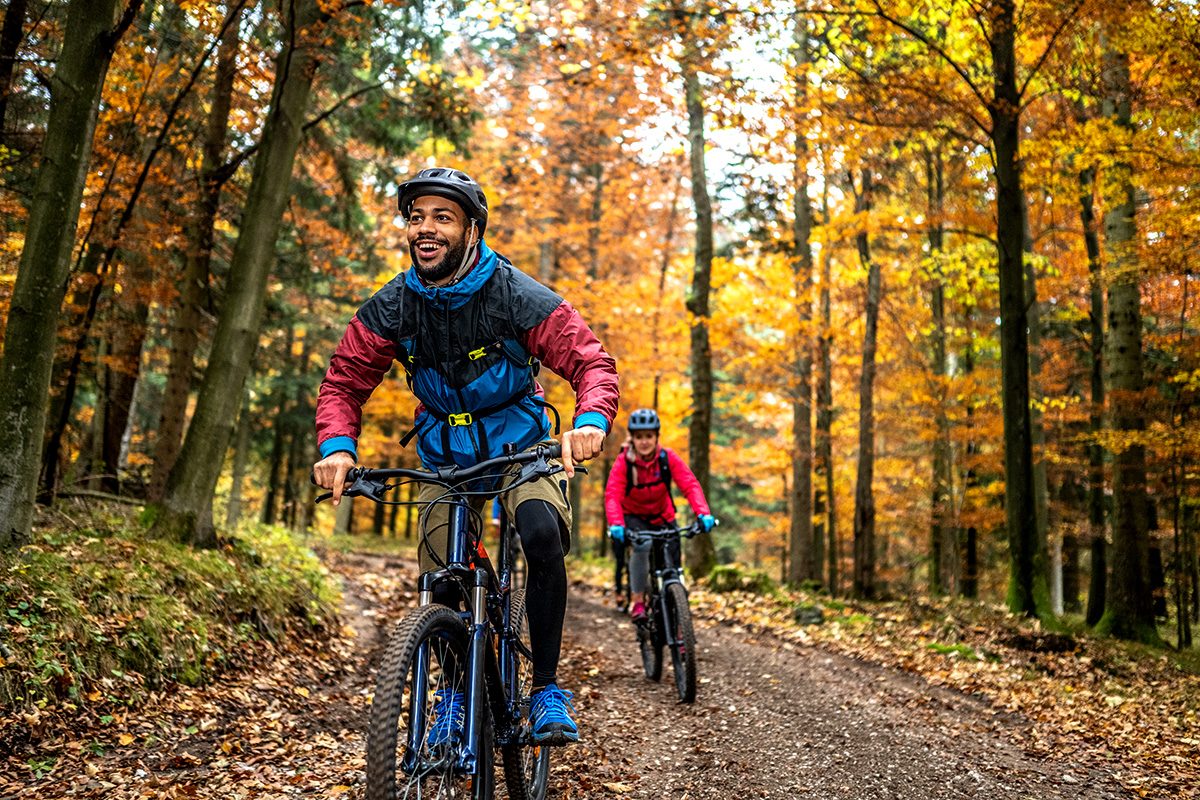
(471, 352)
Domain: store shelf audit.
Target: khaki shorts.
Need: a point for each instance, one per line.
(435, 517)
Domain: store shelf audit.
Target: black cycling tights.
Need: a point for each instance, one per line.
(546, 590)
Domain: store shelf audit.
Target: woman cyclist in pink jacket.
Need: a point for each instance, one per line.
(638, 497)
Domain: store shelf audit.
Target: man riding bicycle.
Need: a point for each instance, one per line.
(471, 332)
(637, 497)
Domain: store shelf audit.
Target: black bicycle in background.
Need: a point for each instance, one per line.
(668, 620)
(481, 651)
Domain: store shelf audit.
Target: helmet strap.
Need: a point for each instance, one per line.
(468, 256)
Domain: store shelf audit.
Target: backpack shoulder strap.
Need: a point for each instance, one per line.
(664, 468)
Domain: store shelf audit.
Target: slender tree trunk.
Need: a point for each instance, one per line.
(241, 454)
(824, 442)
(969, 586)
(1129, 612)
(11, 35)
(663, 267)
(1027, 586)
(1098, 580)
(804, 564)
(279, 430)
(1041, 486)
(595, 216)
(941, 540)
(194, 477)
(194, 280)
(91, 34)
(864, 494)
(701, 553)
(124, 365)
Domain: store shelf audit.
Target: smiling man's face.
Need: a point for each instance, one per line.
(437, 237)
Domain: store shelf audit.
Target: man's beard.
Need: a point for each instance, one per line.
(449, 264)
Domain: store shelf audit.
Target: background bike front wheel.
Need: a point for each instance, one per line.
(650, 641)
(683, 652)
(426, 658)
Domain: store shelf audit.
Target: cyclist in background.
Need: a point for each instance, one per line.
(471, 332)
(638, 497)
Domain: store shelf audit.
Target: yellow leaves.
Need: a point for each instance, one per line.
(571, 69)
(125, 739)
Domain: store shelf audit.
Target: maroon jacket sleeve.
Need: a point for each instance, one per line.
(358, 365)
(686, 480)
(566, 345)
(614, 492)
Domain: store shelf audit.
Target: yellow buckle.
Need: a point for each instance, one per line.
(475, 355)
(459, 419)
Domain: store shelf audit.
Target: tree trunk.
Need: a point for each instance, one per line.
(123, 367)
(279, 431)
(664, 265)
(1027, 585)
(804, 564)
(824, 441)
(941, 541)
(969, 585)
(91, 34)
(701, 553)
(1129, 612)
(11, 35)
(241, 454)
(1041, 486)
(194, 477)
(1098, 580)
(864, 495)
(194, 280)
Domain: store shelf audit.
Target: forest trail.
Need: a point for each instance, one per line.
(771, 720)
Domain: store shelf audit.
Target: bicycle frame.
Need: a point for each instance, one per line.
(489, 613)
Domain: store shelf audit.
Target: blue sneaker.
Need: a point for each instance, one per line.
(550, 718)
(449, 714)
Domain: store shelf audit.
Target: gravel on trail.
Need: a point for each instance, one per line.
(771, 720)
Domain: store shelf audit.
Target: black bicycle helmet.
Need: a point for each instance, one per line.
(451, 184)
(644, 419)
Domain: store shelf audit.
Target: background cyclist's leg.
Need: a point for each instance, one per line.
(639, 564)
(619, 558)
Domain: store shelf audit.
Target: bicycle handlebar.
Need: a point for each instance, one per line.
(372, 483)
(687, 532)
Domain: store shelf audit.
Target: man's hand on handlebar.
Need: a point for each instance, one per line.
(579, 445)
(330, 473)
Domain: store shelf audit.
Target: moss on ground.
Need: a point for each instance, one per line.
(98, 610)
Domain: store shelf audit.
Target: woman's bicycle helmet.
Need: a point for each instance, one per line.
(451, 184)
(644, 419)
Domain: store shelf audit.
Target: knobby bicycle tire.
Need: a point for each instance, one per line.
(650, 641)
(683, 652)
(526, 766)
(442, 632)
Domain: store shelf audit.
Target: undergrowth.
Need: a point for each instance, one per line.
(98, 613)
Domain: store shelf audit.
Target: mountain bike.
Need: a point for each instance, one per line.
(435, 650)
(668, 620)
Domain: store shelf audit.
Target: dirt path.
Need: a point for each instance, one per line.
(775, 721)
(771, 721)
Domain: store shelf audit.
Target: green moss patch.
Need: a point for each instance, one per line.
(99, 612)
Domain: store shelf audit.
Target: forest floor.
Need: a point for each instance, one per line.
(775, 717)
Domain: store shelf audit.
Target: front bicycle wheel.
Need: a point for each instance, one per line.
(683, 651)
(407, 756)
(650, 641)
(526, 765)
